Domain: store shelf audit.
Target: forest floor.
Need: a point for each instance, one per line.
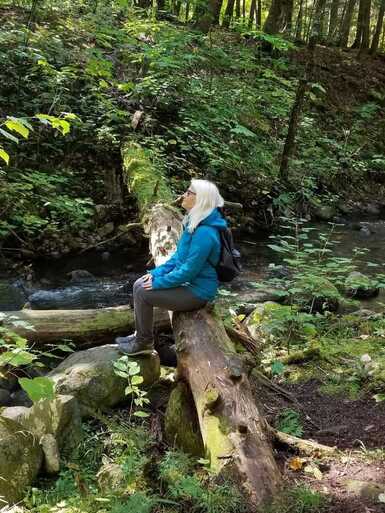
(353, 480)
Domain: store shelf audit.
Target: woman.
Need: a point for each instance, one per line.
(188, 280)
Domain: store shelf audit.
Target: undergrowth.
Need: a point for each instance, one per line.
(120, 467)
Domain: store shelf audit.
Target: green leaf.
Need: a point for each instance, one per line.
(121, 374)
(8, 135)
(65, 348)
(379, 398)
(137, 380)
(277, 368)
(4, 155)
(141, 414)
(16, 358)
(242, 130)
(38, 388)
(17, 126)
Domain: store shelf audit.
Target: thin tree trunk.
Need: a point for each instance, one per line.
(346, 23)
(259, 14)
(333, 20)
(244, 10)
(318, 25)
(358, 38)
(299, 23)
(252, 13)
(228, 13)
(237, 9)
(296, 112)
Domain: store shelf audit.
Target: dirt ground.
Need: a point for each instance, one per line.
(353, 479)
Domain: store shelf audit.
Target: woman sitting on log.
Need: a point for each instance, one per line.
(188, 280)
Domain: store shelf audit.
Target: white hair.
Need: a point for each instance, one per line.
(207, 198)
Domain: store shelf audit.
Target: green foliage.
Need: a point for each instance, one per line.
(299, 499)
(130, 370)
(38, 388)
(197, 490)
(15, 354)
(289, 421)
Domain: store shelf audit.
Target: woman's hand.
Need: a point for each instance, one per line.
(147, 281)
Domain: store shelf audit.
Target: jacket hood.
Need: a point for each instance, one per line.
(215, 219)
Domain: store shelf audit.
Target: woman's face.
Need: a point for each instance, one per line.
(189, 199)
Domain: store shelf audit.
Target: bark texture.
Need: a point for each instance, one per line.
(81, 326)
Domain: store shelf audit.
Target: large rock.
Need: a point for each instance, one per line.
(20, 460)
(89, 376)
(59, 417)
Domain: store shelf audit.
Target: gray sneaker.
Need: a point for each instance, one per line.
(125, 340)
(134, 347)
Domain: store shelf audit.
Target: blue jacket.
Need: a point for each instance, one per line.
(192, 264)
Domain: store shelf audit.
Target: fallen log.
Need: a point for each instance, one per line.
(95, 325)
(306, 447)
(98, 324)
(234, 434)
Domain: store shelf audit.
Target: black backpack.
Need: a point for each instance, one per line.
(229, 265)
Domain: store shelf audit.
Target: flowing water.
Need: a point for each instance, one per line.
(256, 256)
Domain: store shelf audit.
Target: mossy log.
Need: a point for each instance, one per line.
(93, 325)
(80, 326)
(235, 435)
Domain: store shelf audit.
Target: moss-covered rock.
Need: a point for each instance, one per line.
(20, 460)
(89, 376)
(59, 417)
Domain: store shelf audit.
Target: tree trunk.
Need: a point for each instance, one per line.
(299, 23)
(292, 130)
(207, 14)
(259, 14)
(237, 9)
(379, 25)
(279, 17)
(365, 20)
(228, 13)
(234, 434)
(358, 38)
(318, 26)
(252, 13)
(333, 20)
(346, 24)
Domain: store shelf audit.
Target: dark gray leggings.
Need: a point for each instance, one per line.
(178, 299)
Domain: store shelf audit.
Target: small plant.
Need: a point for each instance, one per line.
(130, 370)
(290, 422)
(16, 354)
(300, 499)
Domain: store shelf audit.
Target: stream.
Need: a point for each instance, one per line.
(120, 268)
